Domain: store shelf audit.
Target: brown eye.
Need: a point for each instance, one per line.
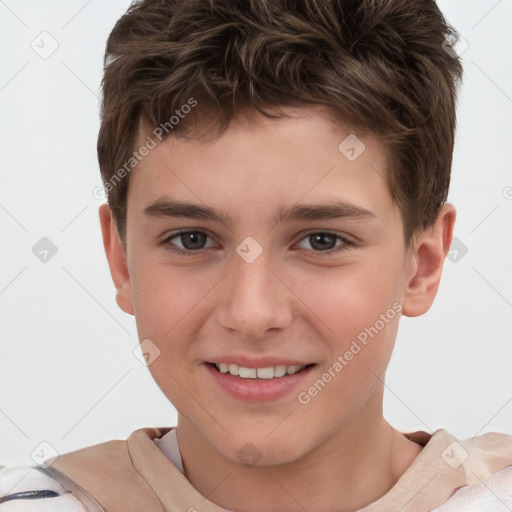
(325, 242)
(192, 242)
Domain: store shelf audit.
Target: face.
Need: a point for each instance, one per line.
(304, 267)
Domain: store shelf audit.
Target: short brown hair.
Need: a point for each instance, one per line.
(381, 65)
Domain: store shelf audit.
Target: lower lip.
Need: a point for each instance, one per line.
(257, 390)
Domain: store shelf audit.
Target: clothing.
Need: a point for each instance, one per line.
(145, 474)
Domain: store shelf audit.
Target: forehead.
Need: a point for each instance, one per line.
(259, 160)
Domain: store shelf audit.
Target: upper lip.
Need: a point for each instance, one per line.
(257, 362)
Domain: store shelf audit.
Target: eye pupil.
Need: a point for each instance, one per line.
(193, 236)
(331, 240)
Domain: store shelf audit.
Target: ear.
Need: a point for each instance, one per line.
(426, 259)
(116, 259)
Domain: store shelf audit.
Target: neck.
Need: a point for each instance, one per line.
(353, 468)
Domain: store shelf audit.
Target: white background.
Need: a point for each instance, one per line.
(68, 373)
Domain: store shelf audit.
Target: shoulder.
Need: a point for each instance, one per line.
(493, 493)
(32, 489)
(486, 462)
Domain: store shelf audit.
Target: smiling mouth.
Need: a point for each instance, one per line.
(270, 372)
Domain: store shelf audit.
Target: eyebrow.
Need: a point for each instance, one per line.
(166, 207)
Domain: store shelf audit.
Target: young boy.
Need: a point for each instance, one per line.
(276, 173)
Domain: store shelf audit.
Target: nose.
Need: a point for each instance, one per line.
(257, 299)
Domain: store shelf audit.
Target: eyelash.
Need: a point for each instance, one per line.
(347, 244)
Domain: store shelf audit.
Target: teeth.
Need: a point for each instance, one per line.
(265, 373)
(280, 371)
(247, 373)
(290, 370)
(259, 373)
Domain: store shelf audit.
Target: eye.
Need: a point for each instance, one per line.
(324, 242)
(192, 242)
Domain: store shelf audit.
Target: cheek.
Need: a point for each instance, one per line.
(349, 299)
(357, 312)
(167, 302)
(164, 296)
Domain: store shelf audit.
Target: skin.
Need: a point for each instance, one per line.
(336, 452)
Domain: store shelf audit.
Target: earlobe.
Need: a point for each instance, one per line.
(428, 254)
(116, 259)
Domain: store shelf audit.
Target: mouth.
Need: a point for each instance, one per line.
(270, 372)
(264, 384)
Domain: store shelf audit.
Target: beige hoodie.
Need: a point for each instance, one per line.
(133, 475)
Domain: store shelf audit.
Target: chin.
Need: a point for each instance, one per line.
(262, 451)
